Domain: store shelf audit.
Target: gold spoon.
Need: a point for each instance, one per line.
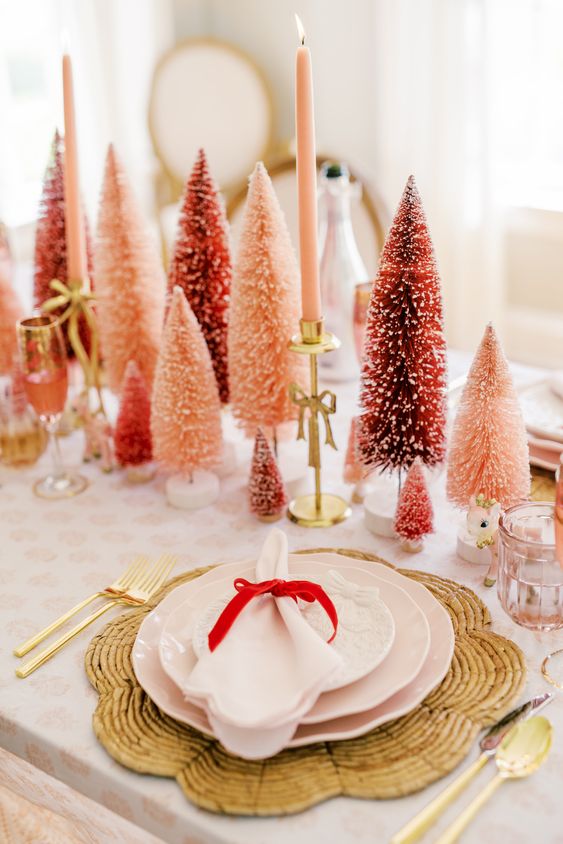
(520, 753)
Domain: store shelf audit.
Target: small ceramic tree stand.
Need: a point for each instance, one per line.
(468, 550)
(194, 492)
(380, 505)
(229, 461)
(140, 474)
(294, 474)
(412, 546)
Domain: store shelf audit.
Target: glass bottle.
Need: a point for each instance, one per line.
(341, 268)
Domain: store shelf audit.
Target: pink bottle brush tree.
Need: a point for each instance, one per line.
(50, 238)
(403, 386)
(186, 410)
(201, 264)
(266, 491)
(11, 310)
(488, 454)
(132, 435)
(130, 282)
(264, 315)
(414, 518)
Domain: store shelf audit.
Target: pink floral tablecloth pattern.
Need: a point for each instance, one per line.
(52, 554)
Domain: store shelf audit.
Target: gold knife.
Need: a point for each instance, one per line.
(488, 744)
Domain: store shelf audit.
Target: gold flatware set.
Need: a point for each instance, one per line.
(135, 587)
(518, 743)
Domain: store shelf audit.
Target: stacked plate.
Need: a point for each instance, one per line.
(542, 408)
(394, 638)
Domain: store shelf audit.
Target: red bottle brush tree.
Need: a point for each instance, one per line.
(11, 310)
(414, 518)
(132, 435)
(50, 237)
(130, 281)
(186, 411)
(266, 490)
(201, 264)
(403, 387)
(488, 454)
(264, 315)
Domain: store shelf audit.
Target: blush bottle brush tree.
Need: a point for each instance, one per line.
(488, 453)
(132, 435)
(266, 491)
(414, 518)
(11, 310)
(186, 410)
(488, 461)
(403, 385)
(130, 282)
(50, 239)
(264, 315)
(201, 264)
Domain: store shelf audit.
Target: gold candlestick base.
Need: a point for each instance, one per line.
(303, 510)
(319, 509)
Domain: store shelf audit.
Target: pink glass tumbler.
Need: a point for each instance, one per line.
(530, 577)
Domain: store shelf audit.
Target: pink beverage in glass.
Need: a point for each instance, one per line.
(46, 391)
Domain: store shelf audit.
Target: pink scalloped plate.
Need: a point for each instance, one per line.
(325, 726)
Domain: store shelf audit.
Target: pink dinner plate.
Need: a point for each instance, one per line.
(169, 698)
(406, 656)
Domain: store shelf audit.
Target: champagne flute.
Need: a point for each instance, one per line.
(44, 367)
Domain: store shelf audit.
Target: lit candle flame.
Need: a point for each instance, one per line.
(300, 28)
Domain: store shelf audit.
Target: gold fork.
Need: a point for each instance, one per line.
(127, 579)
(139, 593)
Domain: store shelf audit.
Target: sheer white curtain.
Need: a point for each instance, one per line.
(433, 117)
(116, 44)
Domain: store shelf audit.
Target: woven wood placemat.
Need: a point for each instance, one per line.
(485, 678)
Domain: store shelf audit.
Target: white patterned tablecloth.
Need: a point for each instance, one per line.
(54, 553)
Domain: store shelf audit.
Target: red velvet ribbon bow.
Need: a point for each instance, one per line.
(246, 591)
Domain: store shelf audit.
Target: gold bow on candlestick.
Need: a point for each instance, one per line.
(76, 300)
(316, 405)
(320, 509)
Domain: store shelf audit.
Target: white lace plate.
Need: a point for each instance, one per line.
(366, 629)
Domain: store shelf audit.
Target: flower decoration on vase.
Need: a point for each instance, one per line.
(403, 385)
(11, 310)
(488, 460)
(50, 257)
(186, 410)
(266, 491)
(130, 281)
(414, 518)
(201, 264)
(132, 437)
(354, 471)
(264, 314)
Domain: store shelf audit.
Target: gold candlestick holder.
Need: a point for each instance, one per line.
(320, 509)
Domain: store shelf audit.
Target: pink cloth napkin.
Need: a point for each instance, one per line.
(544, 453)
(271, 666)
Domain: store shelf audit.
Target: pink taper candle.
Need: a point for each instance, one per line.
(75, 250)
(307, 182)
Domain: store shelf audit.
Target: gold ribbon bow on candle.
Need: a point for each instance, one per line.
(76, 299)
(325, 404)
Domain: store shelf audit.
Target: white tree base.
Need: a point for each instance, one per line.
(379, 512)
(467, 550)
(140, 474)
(412, 546)
(228, 464)
(360, 491)
(201, 491)
(294, 472)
